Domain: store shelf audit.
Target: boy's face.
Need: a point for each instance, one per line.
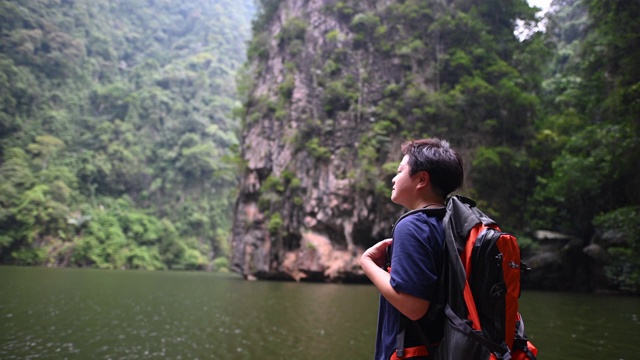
(403, 191)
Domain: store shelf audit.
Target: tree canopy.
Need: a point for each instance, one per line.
(119, 145)
(548, 121)
(116, 131)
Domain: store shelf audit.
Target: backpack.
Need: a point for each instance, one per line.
(478, 291)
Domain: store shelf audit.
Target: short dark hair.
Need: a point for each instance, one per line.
(436, 157)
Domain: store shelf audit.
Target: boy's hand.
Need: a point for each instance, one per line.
(376, 253)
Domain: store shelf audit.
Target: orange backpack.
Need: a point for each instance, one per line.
(479, 291)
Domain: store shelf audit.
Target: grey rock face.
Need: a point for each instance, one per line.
(306, 209)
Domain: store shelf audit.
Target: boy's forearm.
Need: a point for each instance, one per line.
(412, 307)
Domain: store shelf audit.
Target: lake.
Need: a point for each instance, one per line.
(49, 313)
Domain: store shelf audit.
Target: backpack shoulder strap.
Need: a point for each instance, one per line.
(438, 212)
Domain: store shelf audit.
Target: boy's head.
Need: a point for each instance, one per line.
(437, 158)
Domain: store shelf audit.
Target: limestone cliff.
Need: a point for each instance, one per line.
(306, 207)
(336, 86)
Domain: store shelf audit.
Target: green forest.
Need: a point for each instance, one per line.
(120, 120)
(117, 138)
(548, 120)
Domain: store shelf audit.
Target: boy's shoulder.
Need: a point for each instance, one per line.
(417, 221)
(423, 215)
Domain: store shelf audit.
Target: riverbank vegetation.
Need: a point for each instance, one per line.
(118, 148)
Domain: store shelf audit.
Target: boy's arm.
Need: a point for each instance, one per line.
(371, 262)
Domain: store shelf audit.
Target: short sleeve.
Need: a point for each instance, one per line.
(417, 256)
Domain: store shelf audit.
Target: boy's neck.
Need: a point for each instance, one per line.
(430, 202)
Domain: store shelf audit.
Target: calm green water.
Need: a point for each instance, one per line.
(93, 314)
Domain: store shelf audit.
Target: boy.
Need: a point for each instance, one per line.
(429, 171)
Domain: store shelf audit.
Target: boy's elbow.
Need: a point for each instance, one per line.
(417, 312)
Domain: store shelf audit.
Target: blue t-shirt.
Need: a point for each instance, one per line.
(417, 256)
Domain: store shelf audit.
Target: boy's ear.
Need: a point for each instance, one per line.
(425, 179)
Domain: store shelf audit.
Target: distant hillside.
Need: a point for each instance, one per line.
(116, 131)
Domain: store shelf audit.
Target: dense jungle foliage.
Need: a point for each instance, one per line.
(587, 138)
(118, 148)
(116, 131)
(549, 119)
